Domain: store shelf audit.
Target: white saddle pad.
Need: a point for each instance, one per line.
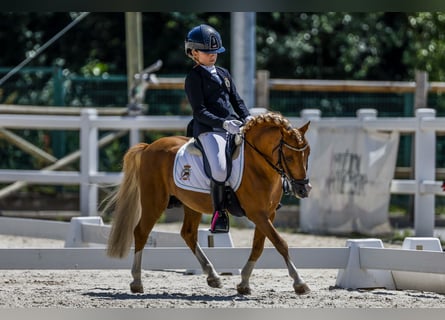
(188, 169)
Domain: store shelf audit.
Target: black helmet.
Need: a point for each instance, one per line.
(203, 38)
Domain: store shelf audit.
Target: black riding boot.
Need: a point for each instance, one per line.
(220, 218)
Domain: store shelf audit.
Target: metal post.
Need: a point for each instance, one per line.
(243, 54)
(425, 164)
(58, 138)
(262, 88)
(134, 44)
(135, 60)
(421, 94)
(88, 163)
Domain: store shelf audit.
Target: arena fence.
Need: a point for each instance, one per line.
(425, 125)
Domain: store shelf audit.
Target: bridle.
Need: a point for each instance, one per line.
(281, 167)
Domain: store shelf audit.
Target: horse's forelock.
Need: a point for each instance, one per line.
(298, 136)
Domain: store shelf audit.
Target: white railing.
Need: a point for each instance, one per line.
(424, 125)
(88, 124)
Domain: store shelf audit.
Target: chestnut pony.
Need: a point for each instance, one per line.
(274, 152)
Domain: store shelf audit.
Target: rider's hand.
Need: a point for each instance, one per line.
(232, 126)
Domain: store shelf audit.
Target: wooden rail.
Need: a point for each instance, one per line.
(177, 83)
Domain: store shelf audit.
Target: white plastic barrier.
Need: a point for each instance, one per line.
(362, 263)
(419, 280)
(419, 265)
(34, 228)
(91, 232)
(354, 276)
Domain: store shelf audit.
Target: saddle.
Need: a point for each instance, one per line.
(191, 171)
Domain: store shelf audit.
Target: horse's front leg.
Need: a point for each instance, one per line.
(299, 285)
(189, 233)
(266, 226)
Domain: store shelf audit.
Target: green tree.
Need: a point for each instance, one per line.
(324, 45)
(427, 31)
(332, 45)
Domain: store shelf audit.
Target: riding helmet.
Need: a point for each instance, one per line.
(203, 38)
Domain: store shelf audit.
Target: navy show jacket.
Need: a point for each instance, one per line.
(213, 103)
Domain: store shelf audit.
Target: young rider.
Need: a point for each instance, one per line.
(218, 110)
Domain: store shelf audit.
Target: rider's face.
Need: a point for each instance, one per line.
(206, 59)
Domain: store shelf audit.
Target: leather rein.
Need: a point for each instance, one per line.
(279, 167)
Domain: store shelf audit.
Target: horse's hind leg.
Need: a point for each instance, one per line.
(149, 217)
(189, 233)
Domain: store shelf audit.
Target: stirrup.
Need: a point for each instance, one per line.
(220, 222)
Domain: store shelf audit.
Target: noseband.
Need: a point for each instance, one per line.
(282, 166)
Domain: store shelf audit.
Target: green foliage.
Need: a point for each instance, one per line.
(427, 30)
(320, 45)
(94, 68)
(110, 157)
(334, 45)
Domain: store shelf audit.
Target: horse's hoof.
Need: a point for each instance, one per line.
(301, 289)
(243, 290)
(136, 288)
(214, 282)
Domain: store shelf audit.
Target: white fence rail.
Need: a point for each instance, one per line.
(424, 125)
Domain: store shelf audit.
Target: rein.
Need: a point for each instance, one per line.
(281, 170)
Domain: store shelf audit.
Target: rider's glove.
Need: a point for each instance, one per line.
(232, 126)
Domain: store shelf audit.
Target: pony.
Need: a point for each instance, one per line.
(276, 154)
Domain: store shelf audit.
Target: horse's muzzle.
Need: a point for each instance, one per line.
(301, 189)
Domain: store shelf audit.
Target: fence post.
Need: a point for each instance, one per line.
(58, 138)
(366, 114)
(425, 164)
(135, 136)
(421, 94)
(313, 115)
(262, 88)
(88, 162)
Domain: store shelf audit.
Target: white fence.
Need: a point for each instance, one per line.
(424, 125)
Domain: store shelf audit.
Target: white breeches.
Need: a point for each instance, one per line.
(214, 144)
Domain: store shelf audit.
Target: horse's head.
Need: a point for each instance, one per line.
(294, 152)
(285, 149)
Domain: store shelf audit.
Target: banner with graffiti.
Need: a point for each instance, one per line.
(350, 172)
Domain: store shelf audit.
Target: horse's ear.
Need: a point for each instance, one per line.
(304, 128)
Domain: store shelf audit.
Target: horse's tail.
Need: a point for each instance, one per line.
(126, 204)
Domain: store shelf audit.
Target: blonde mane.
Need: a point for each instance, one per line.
(274, 119)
